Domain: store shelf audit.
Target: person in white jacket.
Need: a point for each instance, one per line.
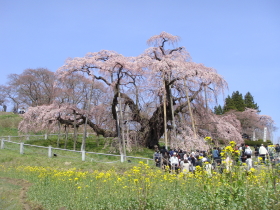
(263, 152)
(174, 162)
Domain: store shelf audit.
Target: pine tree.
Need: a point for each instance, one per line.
(218, 110)
(229, 104)
(249, 102)
(238, 101)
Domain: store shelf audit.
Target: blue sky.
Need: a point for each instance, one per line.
(238, 38)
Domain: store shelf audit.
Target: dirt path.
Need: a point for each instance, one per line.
(22, 196)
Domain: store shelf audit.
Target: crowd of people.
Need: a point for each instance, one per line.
(182, 161)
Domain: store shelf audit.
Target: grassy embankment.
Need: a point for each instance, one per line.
(65, 182)
(10, 189)
(8, 123)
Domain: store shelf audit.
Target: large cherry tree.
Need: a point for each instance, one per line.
(142, 82)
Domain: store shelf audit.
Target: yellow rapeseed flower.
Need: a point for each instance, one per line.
(252, 170)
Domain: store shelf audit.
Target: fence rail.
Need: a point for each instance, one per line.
(50, 150)
(45, 136)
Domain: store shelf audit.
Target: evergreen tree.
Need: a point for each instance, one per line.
(218, 110)
(249, 102)
(229, 104)
(238, 101)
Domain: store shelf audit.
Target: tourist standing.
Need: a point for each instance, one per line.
(248, 151)
(174, 161)
(216, 156)
(185, 167)
(262, 152)
(277, 150)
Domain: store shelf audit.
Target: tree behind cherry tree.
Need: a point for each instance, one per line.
(3, 98)
(237, 102)
(9, 95)
(33, 87)
(252, 121)
(76, 89)
(218, 110)
(247, 112)
(249, 102)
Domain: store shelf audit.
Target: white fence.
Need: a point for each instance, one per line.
(51, 152)
(22, 138)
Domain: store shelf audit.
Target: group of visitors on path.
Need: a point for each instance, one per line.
(183, 161)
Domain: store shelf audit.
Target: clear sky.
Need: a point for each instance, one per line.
(241, 39)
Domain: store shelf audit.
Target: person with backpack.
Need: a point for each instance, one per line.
(157, 157)
(248, 151)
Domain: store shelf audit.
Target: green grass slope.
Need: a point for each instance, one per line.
(9, 123)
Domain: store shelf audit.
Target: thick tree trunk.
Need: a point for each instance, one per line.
(154, 130)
